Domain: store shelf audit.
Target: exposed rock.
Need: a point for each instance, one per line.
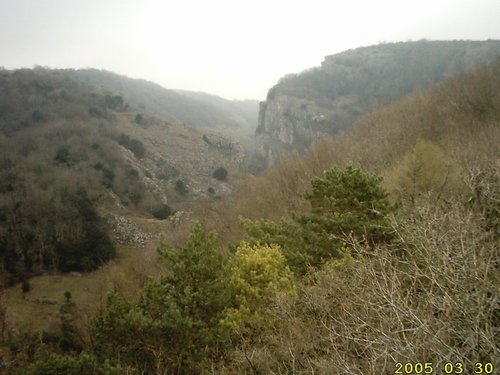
(178, 218)
(127, 232)
(223, 144)
(326, 100)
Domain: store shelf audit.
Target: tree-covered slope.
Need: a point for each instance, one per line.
(303, 107)
(69, 149)
(374, 246)
(193, 109)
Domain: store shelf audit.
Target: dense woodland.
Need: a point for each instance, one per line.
(374, 247)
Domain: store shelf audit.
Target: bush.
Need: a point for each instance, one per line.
(168, 172)
(181, 187)
(162, 212)
(114, 102)
(67, 295)
(220, 174)
(135, 197)
(62, 155)
(38, 116)
(26, 286)
(257, 275)
(108, 177)
(137, 148)
(95, 112)
(133, 145)
(132, 173)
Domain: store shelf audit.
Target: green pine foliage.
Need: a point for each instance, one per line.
(346, 203)
(175, 324)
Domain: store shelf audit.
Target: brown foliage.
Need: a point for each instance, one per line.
(430, 298)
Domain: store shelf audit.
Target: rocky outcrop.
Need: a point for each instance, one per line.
(289, 123)
(223, 144)
(126, 232)
(328, 99)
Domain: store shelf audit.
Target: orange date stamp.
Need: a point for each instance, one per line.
(417, 368)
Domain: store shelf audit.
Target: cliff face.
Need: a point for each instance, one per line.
(326, 100)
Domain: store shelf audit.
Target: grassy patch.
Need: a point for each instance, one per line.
(38, 310)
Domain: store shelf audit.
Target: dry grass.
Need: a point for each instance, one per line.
(38, 310)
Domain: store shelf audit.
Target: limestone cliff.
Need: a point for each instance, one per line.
(303, 107)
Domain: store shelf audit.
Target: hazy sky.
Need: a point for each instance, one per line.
(235, 49)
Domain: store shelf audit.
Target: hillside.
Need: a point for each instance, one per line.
(183, 107)
(376, 245)
(432, 289)
(326, 100)
(72, 154)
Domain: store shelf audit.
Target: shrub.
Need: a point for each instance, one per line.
(181, 187)
(133, 145)
(162, 212)
(167, 172)
(220, 174)
(62, 155)
(114, 102)
(132, 173)
(38, 116)
(257, 275)
(67, 295)
(135, 197)
(108, 177)
(95, 112)
(26, 286)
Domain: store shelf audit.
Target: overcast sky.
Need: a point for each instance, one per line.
(235, 49)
